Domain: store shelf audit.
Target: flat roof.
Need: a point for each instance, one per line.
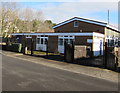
(62, 34)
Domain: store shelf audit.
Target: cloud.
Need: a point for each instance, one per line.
(60, 10)
(60, 0)
(66, 10)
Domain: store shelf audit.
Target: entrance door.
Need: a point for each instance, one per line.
(41, 43)
(61, 45)
(61, 40)
(101, 47)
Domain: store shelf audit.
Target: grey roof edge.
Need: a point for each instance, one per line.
(88, 21)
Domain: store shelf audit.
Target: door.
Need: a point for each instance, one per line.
(97, 46)
(61, 40)
(61, 45)
(101, 47)
(41, 43)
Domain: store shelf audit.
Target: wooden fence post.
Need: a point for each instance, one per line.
(24, 45)
(65, 50)
(47, 48)
(7, 41)
(73, 51)
(106, 55)
(32, 46)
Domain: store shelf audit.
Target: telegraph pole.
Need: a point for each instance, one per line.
(108, 16)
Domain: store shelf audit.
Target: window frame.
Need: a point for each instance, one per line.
(75, 24)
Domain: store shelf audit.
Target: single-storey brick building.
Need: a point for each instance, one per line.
(82, 31)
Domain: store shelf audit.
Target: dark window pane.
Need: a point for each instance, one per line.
(76, 24)
(41, 40)
(71, 41)
(60, 42)
(66, 40)
(38, 40)
(45, 41)
(65, 36)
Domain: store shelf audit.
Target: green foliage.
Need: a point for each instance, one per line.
(34, 25)
(49, 23)
(15, 47)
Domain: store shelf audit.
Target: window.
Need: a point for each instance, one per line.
(66, 40)
(65, 36)
(76, 24)
(71, 40)
(60, 42)
(46, 40)
(41, 40)
(28, 36)
(38, 40)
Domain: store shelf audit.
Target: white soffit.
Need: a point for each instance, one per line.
(98, 34)
(109, 26)
(86, 20)
(81, 19)
(61, 34)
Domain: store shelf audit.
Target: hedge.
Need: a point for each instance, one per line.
(15, 47)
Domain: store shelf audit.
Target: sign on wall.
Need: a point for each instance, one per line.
(89, 40)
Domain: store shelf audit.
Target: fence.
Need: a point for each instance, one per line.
(110, 59)
(73, 52)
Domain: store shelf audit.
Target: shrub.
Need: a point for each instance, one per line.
(9, 47)
(4, 47)
(16, 47)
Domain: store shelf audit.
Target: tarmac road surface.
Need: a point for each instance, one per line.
(20, 75)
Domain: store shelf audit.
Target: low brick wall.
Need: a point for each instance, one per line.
(53, 44)
(69, 53)
(113, 55)
(79, 51)
(119, 57)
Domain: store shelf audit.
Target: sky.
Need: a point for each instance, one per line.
(61, 10)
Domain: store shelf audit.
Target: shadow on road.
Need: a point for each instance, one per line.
(92, 62)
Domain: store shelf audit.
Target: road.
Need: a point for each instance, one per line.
(20, 75)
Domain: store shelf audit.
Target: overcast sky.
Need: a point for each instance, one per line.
(61, 10)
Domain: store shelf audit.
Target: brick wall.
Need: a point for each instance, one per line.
(85, 27)
(34, 44)
(28, 43)
(79, 51)
(119, 57)
(82, 40)
(53, 44)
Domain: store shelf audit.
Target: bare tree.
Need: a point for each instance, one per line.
(8, 18)
(28, 15)
(39, 15)
(14, 19)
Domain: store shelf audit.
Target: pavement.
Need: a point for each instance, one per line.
(100, 73)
